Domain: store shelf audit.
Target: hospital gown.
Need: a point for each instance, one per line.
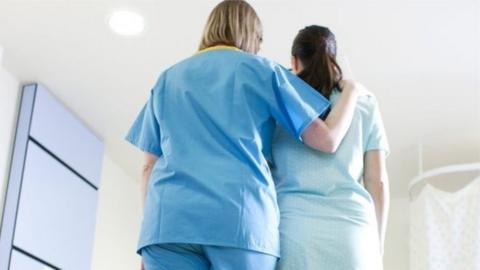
(327, 217)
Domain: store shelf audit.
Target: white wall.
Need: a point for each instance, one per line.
(9, 100)
(119, 207)
(118, 220)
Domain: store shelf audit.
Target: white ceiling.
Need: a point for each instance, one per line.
(421, 58)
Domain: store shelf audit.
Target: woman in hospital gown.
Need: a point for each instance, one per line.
(330, 219)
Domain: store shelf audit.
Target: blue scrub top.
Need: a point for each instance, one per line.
(210, 119)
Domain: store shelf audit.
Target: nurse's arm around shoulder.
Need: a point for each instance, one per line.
(327, 135)
(149, 162)
(376, 182)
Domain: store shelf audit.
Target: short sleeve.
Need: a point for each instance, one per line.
(296, 104)
(376, 136)
(145, 130)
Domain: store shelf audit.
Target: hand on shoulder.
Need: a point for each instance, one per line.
(351, 85)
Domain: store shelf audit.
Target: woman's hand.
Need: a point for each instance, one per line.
(353, 86)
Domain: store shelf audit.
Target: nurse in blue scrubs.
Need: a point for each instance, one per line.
(210, 199)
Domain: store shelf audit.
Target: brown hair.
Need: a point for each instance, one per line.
(233, 23)
(316, 48)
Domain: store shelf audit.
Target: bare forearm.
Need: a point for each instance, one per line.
(147, 170)
(327, 135)
(149, 163)
(378, 189)
(340, 118)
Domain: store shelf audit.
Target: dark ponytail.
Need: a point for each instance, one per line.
(316, 48)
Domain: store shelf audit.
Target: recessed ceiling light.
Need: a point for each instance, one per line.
(126, 23)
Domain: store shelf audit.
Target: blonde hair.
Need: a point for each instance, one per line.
(233, 23)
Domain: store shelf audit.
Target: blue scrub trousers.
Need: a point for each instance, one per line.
(202, 257)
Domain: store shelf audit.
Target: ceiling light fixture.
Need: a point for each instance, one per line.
(126, 23)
